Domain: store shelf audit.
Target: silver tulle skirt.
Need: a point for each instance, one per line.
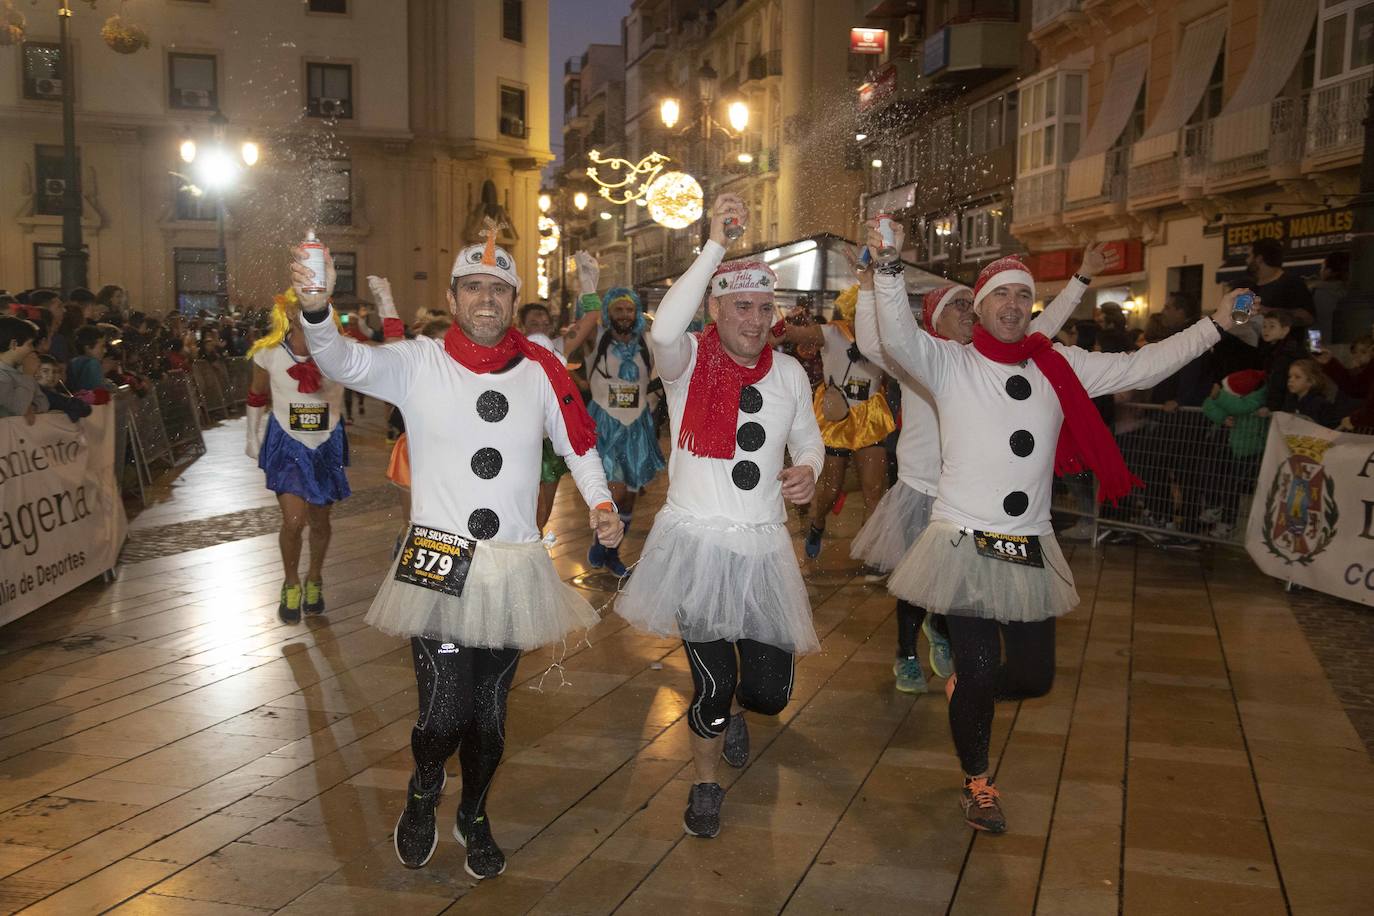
(944, 573)
(708, 579)
(897, 521)
(512, 599)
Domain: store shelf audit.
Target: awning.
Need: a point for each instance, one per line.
(1193, 63)
(1296, 268)
(1087, 171)
(1243, 126)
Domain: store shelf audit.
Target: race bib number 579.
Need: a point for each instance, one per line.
(435, 559)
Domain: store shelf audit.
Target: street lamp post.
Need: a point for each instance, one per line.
(216, 172)
(1360, 304)
(74, 260)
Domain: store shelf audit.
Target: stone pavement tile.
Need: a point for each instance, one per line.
(56, 823)
(336, 900)
(1171, 831)
(996, 883)
(832, 887)
(194, 760)
(594, 887)
(1084, 858)
(1150, 894)
(85, 858)
(508, 894)
(250, 875)
(197, 840)
(1313, 726)
(13, 857)
(102, 890)
(148, 904)
(659, 904)
(98, 788)
(1101, 901)
(1193, 788)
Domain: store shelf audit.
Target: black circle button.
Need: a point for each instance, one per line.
(750, 401)
(1022, 443)
(750, 437)
(486, 463)
(492, 406)
(1019, 387)
(746, 475)
(1016, 503)
(483, 524)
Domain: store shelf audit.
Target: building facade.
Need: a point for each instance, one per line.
(1188, 128)
(392, 128)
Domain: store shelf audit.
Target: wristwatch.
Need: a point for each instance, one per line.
(1086, 281)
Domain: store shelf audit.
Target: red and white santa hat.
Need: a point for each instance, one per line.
(1243, 382)
(1001, 272)
(934, 303)
(743, 277)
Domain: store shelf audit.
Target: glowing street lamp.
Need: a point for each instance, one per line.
(580, 200)
(250, 152)
(739, 116)
(545, 202)
(668, 112)
(188, 151)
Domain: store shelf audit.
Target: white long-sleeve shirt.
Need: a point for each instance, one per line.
(918, 443)
(476, 439)
(998, 459)
(775, 416)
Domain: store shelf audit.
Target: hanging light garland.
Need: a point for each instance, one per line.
(674, 199)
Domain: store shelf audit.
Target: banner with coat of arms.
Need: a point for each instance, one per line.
(1312, 521)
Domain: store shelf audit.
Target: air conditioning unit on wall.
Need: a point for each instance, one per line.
(54, 187)
(194, 98)
(332, 108)
(48, 87)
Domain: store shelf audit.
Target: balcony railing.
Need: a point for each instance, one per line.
(1151, 178)
(1282, 144)
(1046, 11)
(1039, 196)
(1334, 117)
(653, 40)
(762, 66)
(1196, 154)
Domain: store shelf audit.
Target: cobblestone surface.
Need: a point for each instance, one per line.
(1341, 633)
(165, 540)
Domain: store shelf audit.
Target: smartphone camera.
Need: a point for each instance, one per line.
(1314, 340)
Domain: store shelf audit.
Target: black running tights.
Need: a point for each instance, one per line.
(758, 674)
(985, 678)
(462, 708)
(909, 620)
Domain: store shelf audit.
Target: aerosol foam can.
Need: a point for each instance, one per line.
(1242, 308)
(888, 252)
(314, 259)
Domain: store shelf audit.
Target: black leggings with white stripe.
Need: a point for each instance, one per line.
(462, 708)
(758, 674)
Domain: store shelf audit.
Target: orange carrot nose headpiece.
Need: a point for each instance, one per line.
(487, 258)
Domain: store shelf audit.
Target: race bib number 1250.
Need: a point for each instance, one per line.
(1021, 549)
(435, 559)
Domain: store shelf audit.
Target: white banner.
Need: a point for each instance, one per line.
(61, 517)
(1312, 521)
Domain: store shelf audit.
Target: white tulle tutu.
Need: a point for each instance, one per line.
(512, 599)
(944, 574)
(709, 579)
(897, 521)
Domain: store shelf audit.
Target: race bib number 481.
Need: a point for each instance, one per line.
(310, 418)
(1021, 549)
(435, 559)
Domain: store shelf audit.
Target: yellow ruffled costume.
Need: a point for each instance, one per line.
(868, 422)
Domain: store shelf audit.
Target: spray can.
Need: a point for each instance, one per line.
(733, 228)
(314, 259)
(1243, 306)
(888, 252)
(865, 260)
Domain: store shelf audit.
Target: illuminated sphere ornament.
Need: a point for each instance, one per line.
(675, 200)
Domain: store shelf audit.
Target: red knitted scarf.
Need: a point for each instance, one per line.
(712, 409)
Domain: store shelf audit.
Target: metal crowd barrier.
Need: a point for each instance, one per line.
(1199, 478)
(238, 373)
(181, 415)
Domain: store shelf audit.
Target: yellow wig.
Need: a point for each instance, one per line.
(847, 302)
(281, 322)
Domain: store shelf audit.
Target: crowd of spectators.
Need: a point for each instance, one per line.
(68, 353)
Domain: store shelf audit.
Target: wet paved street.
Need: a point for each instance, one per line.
(168, 747)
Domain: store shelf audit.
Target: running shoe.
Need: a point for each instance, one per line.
(417, 833)
(813, 541)
(941, 657)
(314, 598)
(910, 677)
(485, 859)
(613, 564)
(982, 810)
(596, 554)
(289, 608)
(702, 817)
(736, 748)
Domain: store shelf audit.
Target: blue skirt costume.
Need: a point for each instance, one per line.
(629, 454)
(316, 475)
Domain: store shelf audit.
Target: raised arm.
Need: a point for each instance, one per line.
(672, 352)
(381, 372)
(866, 330)
(1096, 258)
(1106, 373)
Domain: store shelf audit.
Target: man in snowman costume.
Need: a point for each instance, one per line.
(988, 559)
(718, 569)
(472, 585)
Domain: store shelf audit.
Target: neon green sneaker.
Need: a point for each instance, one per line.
(314, 598)
(289, 610)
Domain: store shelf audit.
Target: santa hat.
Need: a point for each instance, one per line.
(1001, 272)
(743, 277)
(1243, 382)
(490, 259)
(934, 303)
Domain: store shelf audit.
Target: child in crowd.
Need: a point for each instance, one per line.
(49, 378)
(86, 372)
(1235, 405)
(19, 394)
(1310, 393)
(1277, 353)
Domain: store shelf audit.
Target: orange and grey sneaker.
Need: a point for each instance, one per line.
(314, 598)
(982, 810)
(289, 608)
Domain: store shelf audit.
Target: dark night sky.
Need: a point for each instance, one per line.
(574, 24)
